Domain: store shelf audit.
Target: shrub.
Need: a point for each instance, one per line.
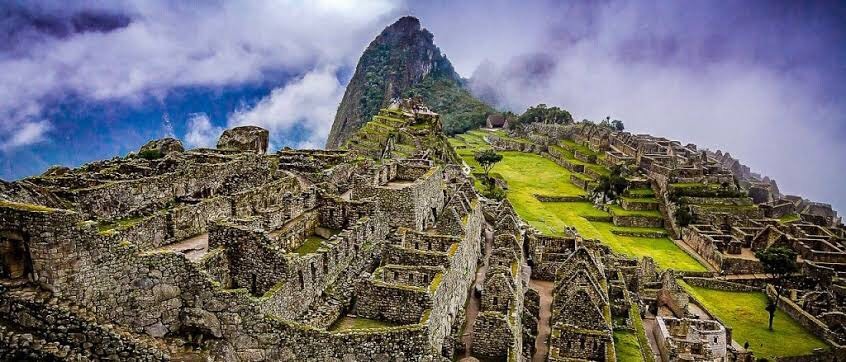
(150, 154)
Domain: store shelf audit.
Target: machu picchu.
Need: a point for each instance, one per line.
(571, 241)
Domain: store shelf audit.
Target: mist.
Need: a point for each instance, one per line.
(760, 80)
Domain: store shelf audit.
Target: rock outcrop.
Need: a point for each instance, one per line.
(163, 146)
(244, 138)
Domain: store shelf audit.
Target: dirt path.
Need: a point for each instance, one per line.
(544, 289)
(194, 248)
(475, 304)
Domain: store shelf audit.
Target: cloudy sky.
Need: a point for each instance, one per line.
(763, 80)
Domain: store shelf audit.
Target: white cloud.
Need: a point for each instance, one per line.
(657, 77)
(26, 133)
(201, 132)
(168, 45)
(309, 102)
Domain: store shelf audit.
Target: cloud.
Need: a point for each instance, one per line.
(28, 133)
(760, 83)
(132, 50)
(308, 103)
(201, 132)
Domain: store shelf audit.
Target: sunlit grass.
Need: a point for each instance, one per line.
(745, 313)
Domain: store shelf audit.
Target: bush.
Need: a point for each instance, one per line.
(495, 193)
(150, 154)
(683, 216)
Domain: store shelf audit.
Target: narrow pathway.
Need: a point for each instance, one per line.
(475, 304)
(544, 289)
(649, 325)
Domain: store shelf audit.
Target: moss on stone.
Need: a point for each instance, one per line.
(25, 207)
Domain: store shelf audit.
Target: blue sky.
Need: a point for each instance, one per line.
(763, 80)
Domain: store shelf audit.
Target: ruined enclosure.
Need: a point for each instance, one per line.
(15, 260)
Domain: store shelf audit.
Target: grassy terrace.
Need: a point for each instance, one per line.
(617, 210)
(744, 313)
(311, 244)
(627, 347)
(349, 323)
(640, 193)
(528, 174)
(789, 218)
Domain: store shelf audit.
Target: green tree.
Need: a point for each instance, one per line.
(779, 262)
(683, 216)
(618, 125)
(612, 185)
(487, 159)
(544, 114)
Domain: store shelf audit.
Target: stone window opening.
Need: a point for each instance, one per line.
(15, 261)
(302, 282)
(253, 285)
(313, 270)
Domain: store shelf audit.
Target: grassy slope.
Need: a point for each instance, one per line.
(529, 174)
(627, 346)
(744, 313)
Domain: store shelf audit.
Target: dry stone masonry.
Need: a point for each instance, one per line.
(384, 251)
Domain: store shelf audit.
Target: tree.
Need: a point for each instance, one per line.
(612, 185)
(683, 216)
(487, 159)
(618, 125)
(779, 262)
(545, 114)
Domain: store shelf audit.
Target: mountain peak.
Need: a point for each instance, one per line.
(401, 57)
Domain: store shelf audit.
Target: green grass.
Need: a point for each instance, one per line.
(651, 200)
(528, 174)
(640, 193)
(627, 347)
(581, 148)
(25, 207)
(789, 218)
(616, 210)
(310, 245)
(119, 224)
(744, 313)
(348, 323)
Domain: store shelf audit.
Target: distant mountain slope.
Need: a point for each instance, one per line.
(403, 60)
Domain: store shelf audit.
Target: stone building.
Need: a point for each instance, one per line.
(690, 340)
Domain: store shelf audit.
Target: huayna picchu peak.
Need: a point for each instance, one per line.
(432, 228)
(403, 61)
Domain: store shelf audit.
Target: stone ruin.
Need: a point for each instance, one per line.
(379, 251)
(735, 213)
(235, 254)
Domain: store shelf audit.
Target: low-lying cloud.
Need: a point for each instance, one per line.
(758, 80)
(308, 103)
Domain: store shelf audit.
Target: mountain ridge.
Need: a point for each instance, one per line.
(404, 61)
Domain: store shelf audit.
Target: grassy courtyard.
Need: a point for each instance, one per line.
(744, 313)
(528, 174)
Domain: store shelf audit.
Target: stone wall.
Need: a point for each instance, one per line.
(638, 221)
(56, 325)
(389, 302)
(492, 335)
(719, 284)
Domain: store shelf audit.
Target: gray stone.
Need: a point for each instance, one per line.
(244, 138)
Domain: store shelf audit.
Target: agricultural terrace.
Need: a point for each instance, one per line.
(745, 313)
(528, 174)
